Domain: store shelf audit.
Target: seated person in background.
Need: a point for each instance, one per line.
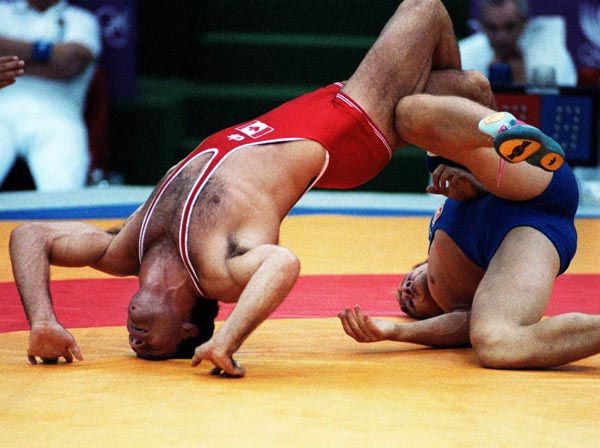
(11, 67)
(535, 48)
(41, 117)
(495, 248)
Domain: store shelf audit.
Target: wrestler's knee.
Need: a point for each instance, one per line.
(433, 6)
(427, 9)
(478, 88)
(409, 117)
(499, 346)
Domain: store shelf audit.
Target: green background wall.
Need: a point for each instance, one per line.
(204, 65)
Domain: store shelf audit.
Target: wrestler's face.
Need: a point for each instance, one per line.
(414, 297)
(503, 26)
(154, 335)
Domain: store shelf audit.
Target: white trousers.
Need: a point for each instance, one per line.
(55, 149)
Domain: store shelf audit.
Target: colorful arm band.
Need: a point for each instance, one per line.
(41, 51)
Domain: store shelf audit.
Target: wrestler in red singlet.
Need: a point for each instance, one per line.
(357, 150)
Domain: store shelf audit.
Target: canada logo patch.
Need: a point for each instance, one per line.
(255, 129)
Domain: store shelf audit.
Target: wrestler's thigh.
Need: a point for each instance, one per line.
(399, 62)
(514, 181)
(515, 289)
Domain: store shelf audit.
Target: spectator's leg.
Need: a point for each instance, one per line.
(58, 158)
(8, 151)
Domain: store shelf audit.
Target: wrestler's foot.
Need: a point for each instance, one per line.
(497, 123)
(526, 143)
(516, 142)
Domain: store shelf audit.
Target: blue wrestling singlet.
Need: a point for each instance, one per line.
(479, 226)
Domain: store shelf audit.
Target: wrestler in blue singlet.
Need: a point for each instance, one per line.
(479, 226)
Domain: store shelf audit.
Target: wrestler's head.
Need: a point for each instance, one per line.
(413, 294)
(159, 330)
(503, 22)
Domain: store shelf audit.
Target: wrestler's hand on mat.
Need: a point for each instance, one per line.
(50, 341)
(455, 183)
(225, 365)
(364, 328)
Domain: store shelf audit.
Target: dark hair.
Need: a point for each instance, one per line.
(522, 6)
(203, 316)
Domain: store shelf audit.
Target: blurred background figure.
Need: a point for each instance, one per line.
(11, 67)
(511, 47)
(41, 116)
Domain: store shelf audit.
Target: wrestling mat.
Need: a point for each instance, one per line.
(308, 384)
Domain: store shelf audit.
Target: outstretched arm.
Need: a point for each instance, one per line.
(269, 273)
(33, 248)
(445, 330)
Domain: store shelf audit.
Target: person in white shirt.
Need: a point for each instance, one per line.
(41, 116)
(534, 48)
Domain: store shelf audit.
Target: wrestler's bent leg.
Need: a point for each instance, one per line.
(507, 329)
(418, 38)
(469, 84)
(448, 126)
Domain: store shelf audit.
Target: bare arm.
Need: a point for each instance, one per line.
(33, 248)
(68, 59)
(269, 273)
(445, 330)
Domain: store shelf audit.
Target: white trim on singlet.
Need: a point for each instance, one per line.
(350, 102)
(158, 195)
(188, 207)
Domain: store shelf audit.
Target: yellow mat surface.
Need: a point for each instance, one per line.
(308, 384)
